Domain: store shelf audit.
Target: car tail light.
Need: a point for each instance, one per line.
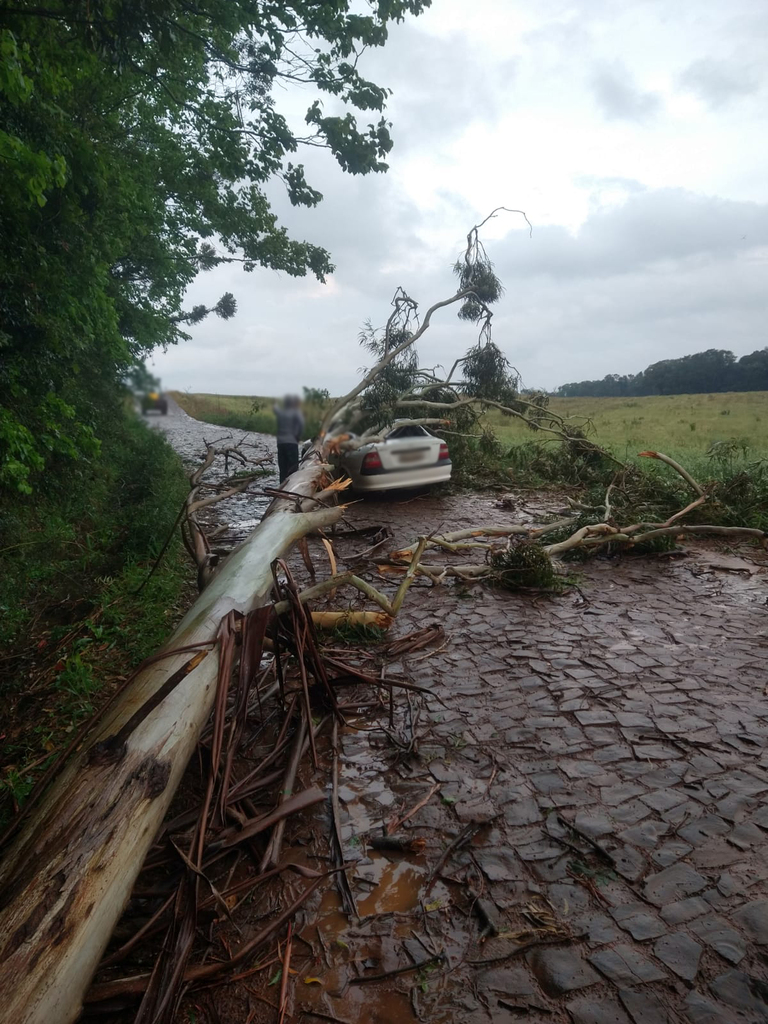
(371, 463)
(444, 453)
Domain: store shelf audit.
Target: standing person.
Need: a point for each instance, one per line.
(290, 426)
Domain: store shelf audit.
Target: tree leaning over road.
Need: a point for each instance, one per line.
(138, 140)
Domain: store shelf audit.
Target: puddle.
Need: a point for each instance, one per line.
(749, 591)
(361, 820)
(331, 922)
(398, 889)
(380, 1007)
(374, 944)
(361, 1004)
(738, 582)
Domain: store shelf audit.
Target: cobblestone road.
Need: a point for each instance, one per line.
(615, 742)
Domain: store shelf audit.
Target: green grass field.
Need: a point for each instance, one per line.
(675, 423)
(722, 440)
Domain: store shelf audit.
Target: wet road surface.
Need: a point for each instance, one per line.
(611, 745)
(189, 437)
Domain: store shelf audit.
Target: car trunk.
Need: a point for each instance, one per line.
(409, 453)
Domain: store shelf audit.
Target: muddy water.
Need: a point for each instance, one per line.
(397, 886)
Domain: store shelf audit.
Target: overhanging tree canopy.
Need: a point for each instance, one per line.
(138, 137)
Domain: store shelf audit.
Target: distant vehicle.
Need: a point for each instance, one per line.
(409, 456)
(154, 400)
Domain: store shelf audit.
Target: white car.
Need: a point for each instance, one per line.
(409, 456)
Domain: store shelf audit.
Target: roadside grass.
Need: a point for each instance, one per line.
(242, 412)
(72, 625)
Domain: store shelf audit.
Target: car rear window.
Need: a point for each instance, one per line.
(410, 431)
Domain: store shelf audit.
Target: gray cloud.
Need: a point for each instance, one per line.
(439, 84)
(594, 181)
(719, 82)
(666, 273)
(586, 329)
(619, 98)
(372, 229)
(291, 332)
(651, 229)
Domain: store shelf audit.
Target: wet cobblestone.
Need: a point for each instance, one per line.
(640, 716)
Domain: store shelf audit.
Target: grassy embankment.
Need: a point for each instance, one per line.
(71, 623)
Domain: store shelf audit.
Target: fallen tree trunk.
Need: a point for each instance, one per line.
(68, 874)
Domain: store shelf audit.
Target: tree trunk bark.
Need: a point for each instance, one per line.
(68, 875)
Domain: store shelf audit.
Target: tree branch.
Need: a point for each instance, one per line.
(387, 358)
(678, 469)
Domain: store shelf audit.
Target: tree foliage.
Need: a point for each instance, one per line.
(483, 375)
(138, 138)
(713, 371)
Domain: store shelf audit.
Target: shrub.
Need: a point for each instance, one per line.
(524, 565)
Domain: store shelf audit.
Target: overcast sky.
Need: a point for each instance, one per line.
(632, 132)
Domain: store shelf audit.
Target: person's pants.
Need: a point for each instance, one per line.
(287, 460)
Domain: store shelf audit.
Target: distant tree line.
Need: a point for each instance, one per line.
(704, 372)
